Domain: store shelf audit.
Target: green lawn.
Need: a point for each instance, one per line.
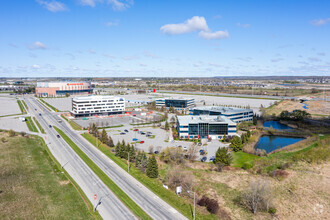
(154, 185)
(19, 102)
(106, 180)
(26, 107)
(39, 126)
(31, 126)
(240, 158)
(34, 187)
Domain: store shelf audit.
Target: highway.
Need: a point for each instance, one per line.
(142, 196)
(108, 205)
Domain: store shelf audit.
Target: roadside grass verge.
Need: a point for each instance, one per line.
(73, 124)
(31, 126)
(39, 126)
(49, 105)
(19, 102)
(106, 180)
(154, 185)
(43, 104)
(34, 186)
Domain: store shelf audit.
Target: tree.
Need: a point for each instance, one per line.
(222, 156)
(152, 167)
(132, 153)
(192, 152)
(255, 120)
(258, 196)
(167, 127)
(248, 133)
(236, 144)
(117, 149)
(3, 139)
(104, 136)
(110, 142)
(141, 161)
(180, 177)
(23, 133)
(166, 115)
(224, 139)
(172, 120)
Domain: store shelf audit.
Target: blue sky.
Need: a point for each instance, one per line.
(123, 38)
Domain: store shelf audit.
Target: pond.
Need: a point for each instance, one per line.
(270, 143)
(276, 125)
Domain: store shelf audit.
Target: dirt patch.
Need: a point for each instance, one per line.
(64, 182)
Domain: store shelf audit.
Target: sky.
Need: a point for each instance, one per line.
(172, 38)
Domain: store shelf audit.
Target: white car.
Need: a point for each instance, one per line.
(185, 148)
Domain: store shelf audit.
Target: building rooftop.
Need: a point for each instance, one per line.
(94, 97)
(171, 98)
(222, 109)
(204, 119)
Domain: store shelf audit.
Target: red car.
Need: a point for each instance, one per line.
(141, 142)
(136, 130)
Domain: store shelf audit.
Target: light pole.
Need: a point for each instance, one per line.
(127, 162)
(194, 206)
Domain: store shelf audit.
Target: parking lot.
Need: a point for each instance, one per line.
(13, 123)
(9, 106)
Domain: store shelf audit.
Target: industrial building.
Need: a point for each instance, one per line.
(235, 114)
(177, 104)
(205, 126)
(53, 89)
(97, 105)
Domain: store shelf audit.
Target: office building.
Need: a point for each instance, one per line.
(177, 104)
(97, 105)
(235, 114)
(205, 126)
(54, 89)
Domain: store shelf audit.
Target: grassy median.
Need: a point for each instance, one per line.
(32, 185)
(19, 102)
(153, 184)
(106, 180)
(39, 126)
(31, 126)
(49, 105)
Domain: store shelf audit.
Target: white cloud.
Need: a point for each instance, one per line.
(217, 17)
(243, 25)
(314, 59)
(108, 55)
(147, 54)
(320, 22)
(112, 23)
(214, 64)
(91, 51)
(117, 5)
(193, 24)
(321, 54)
(130, 57)
(35, 66)
(276, 60)
(143, 64)
(53, 6)
(213, 35)
(37, 46)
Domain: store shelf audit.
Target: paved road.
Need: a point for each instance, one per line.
(110, 207)
(142, 196)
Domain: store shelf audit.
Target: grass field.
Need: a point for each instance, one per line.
(31, 125)
(153, 184)
(19, 102)
(39, 126)
(33, 187)
(26, 107)
(105, 179)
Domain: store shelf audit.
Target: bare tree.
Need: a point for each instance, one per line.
(258, 196)
(151, 149)
(192, 152)
(179, 177)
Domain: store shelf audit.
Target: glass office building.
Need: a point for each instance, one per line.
(178, 104)
(200, 127)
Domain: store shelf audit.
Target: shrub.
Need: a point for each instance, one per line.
(11, 133)
(272, 210)
(3, 139)
(280, 174)
(211, 204)
(236, 144)
(179, 177)
(247, 165)
(152, 167)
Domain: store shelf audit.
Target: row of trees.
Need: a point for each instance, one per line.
(296, 115)
(102, 136)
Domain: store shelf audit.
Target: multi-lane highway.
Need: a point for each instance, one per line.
(142, 196)
(108, 205)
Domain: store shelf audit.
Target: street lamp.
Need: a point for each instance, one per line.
(128, 161)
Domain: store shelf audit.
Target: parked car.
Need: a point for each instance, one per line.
(204, 159)
(126, 130)
(141, 142)
(135, 139)
(212, 158)
(122, 133)
(58, 136)
(40, 114)
(199, 144)
(50, 126)
(185, 148)
(203, 152)
(149, 132)
(136, 129)
(148, 135)
(143, 133)
(156, 152)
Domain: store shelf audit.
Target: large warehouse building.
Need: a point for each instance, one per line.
(53, 89)
(205, 126)
(235, 114)
(97, 105)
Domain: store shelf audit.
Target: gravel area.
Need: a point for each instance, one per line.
(9, 106)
